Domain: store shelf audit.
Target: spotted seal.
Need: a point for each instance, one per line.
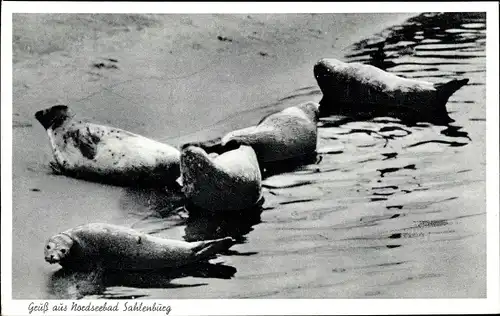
(107, 154)
(280, 136)
(229, 181)
(114, 247)
(365, 90)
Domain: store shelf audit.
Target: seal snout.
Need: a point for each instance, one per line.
(52, 258)
(57, 248)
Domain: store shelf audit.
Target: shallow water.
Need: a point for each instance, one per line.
(388, 210)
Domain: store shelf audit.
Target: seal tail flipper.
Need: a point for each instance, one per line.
(445, 90)
(211, 247)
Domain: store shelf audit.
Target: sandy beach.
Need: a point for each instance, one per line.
(379, 217)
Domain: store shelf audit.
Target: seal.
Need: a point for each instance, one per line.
(229, 181)
(112, 247)
(107, 154)
(367, 91)
(284, 135)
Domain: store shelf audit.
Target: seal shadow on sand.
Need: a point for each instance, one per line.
(68, 284)
(150, 204)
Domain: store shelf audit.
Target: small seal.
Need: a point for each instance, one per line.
(230, 181)
(284, 135)
(366, 91)
(112, 247)
(107, 154)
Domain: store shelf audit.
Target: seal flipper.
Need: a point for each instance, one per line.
(446, 90)
(209, 248)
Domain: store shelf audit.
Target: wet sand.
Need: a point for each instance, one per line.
(389, 210)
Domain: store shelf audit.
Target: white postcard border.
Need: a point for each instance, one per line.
(265, 306)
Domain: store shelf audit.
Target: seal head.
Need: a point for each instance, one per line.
(57, 248)
(53, 117)
(230, 181)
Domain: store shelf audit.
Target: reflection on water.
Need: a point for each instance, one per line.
(435, 37)
(384, 209)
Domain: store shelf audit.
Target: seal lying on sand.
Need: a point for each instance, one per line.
(120, 248)
(107, 154)
(230, 181)
(284, 135)
(365, 90)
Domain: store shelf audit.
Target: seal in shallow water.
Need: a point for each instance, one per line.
(280, 136)
(230, 181)
(365, 90)
(107, 154)
(120, 248)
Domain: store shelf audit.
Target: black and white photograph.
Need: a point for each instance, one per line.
(153, 155)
